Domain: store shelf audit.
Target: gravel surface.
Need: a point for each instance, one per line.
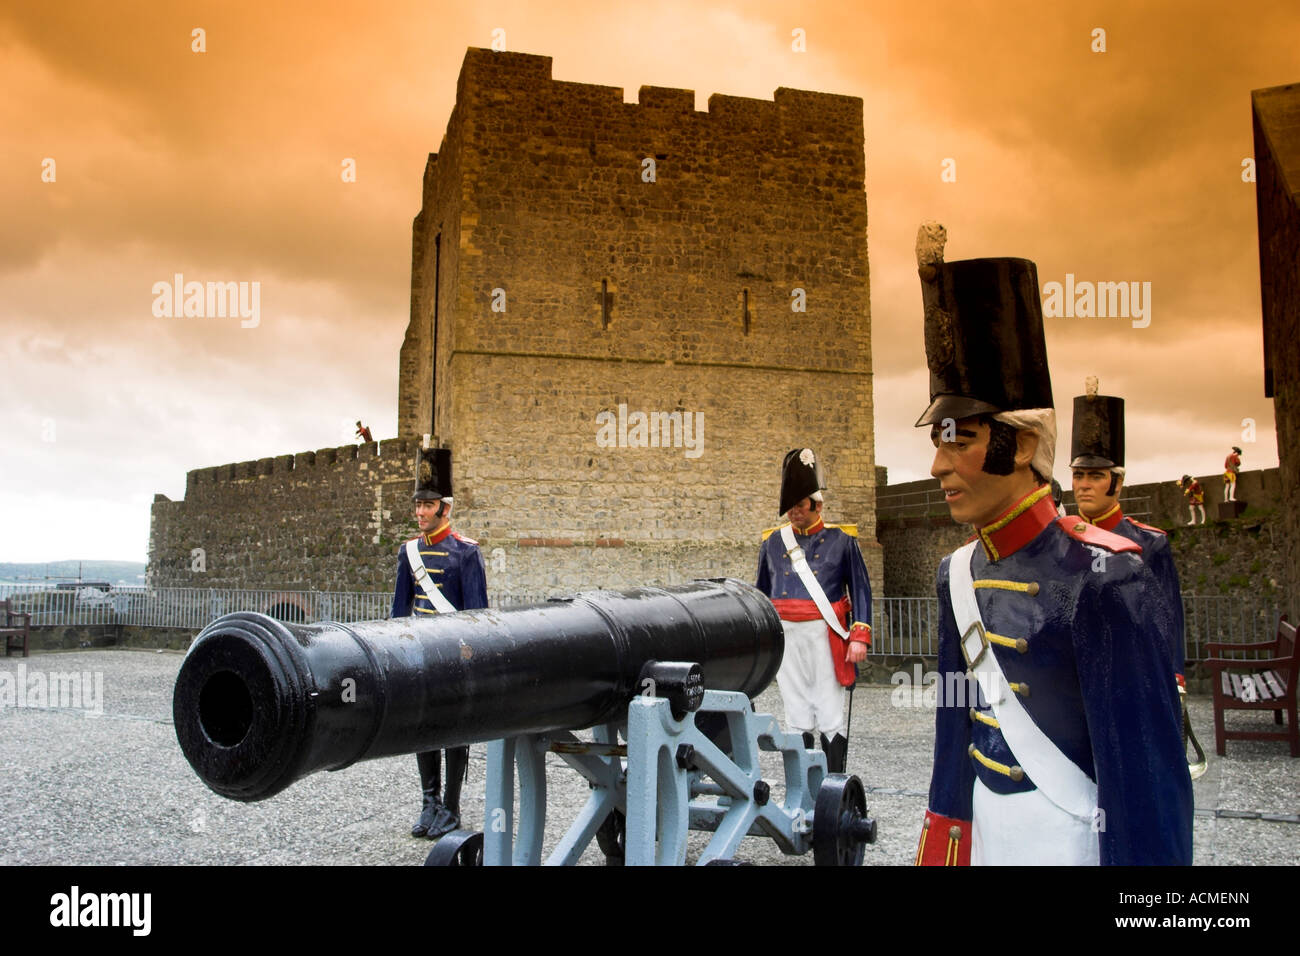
(81, 787)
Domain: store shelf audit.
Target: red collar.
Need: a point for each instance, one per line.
(435, 536)
(1019, 525)
(1107, 521)
(816, 526)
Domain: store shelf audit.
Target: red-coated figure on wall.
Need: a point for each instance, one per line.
(1195, 496)
(1231, 467)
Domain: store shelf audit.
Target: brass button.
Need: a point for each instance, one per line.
(1017, 774)
(954, 833)
(1022, 645)
(972, 713)
(1022, 689)
(1032, 589)
(970, 751)
(1080, 528)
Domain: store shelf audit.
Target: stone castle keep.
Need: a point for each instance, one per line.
(622, 316)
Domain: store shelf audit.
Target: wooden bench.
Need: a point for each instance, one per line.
(1267, 683)
(15, 627)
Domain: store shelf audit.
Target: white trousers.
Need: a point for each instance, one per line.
(814, 699)
(1027, 829)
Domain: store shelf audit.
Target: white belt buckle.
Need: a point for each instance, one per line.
(974, 643)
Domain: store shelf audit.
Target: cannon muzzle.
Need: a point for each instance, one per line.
(260, 703)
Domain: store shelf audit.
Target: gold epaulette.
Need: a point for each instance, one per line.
(849, 529)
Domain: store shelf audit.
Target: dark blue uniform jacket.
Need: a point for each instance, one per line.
(836, 562)
(456, 566)
(1159, 557)
(1094, 675)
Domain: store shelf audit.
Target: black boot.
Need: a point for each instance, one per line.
(809, 741)
(448, 818)
(430, 764)
(837, 753)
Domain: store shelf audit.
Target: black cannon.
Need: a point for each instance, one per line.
(259, 703)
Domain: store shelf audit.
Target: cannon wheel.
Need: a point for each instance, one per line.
(612, 838)
(840, 822)
(457, 848)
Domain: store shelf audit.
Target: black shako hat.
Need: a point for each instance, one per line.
(432, 475)
(801, 477)
(1097, 440)
(983, 337)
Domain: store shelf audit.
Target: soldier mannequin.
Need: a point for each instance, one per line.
(1053, 744)
(455, 571)
(1097, 464)
(819, 662)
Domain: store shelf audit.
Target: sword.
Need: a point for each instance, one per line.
(848, 725)
(1195, 767)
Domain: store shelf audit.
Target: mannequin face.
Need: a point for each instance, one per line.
(426, 515)
(1090, 491)
(805, 514)
(974, 496)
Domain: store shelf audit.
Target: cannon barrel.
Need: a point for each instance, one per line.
(260, 703)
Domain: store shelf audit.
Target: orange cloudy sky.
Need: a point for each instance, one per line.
(1123, 165)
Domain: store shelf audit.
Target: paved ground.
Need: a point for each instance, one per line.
(115, 788)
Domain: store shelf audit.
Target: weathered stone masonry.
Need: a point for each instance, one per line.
(1244, 556)
(330, 519)
(645, 255)
(1276, 118)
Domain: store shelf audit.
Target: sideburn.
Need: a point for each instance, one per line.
(1000, 457)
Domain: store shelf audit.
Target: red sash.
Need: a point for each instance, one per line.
(802, 609)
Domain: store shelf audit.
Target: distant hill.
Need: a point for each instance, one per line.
(118, 573)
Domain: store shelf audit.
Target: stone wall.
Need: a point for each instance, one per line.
(1248, 555)
(330, 519)
(76, 636)
(577, 262)
(595, 258)
(1276, 118)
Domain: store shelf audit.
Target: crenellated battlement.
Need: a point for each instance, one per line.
(341, 456)
(523, 81)
(574, 255)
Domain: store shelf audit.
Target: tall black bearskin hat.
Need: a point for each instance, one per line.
(984, 339)
(433, 475)
(801, 477)
(1098, 437)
